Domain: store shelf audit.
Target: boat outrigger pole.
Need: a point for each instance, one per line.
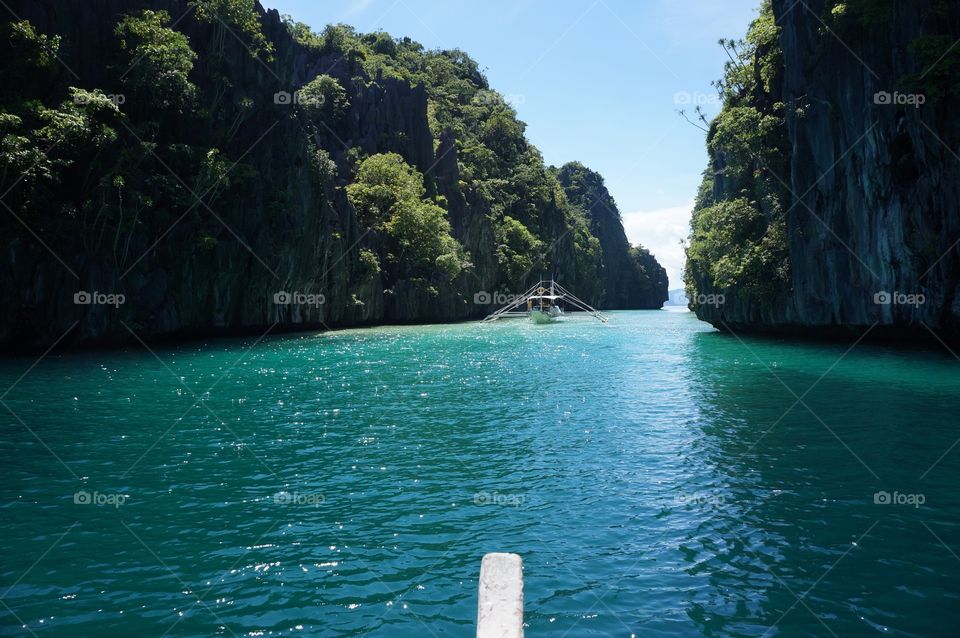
(541, 303)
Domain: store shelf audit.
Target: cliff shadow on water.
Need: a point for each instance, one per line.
(817, 493)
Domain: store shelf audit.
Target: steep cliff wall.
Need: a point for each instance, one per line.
(632, 278)
(830, 201)
(187, 179)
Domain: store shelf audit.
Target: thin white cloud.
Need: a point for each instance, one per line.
(354, 8)
(660, 231)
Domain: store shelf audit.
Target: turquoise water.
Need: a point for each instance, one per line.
(654, 475)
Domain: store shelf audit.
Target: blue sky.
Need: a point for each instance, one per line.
(597, 81)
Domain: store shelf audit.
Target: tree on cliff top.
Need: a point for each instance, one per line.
(159, 60)
(237, 16)
(586, 189)
(325, 99)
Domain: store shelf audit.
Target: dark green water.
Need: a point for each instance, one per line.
(651, 473)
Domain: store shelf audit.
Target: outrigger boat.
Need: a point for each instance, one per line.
(542, 304)
(544, 308)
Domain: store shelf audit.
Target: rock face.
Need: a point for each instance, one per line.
(215, 235)
(632, 278)
(872, 172)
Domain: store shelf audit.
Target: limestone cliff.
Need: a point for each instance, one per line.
(830, 201)
(632, 277)
(201, 208)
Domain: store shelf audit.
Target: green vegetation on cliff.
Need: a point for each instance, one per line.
(631, 276)
(389, 196)
(738, 240)
(832, 184)
(198, 165)
(163, 59)
(500, 172)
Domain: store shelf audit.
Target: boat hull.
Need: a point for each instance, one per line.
(538, 316)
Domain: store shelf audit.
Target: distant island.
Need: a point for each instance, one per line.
(677, 297)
